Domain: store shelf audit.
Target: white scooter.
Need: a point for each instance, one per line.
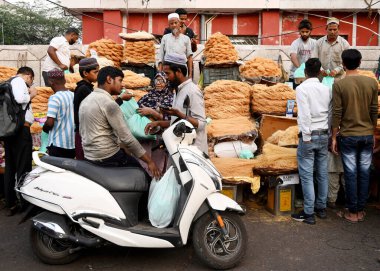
(84, 205)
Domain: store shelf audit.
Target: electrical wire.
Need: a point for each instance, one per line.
(259, 38)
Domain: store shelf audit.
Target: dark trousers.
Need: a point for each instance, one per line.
(79, 154)
(18, 161)
(356, 152)
(61, 152)
(45, 77)
(120, 159)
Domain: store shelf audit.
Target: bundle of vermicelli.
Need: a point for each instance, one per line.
(226, 99)
(285, 137)
(40, 101)
(272, 99)
(220, 50)
(134, 80)
(139, 52)
(7, 72)
(258, 67)
(107, 48)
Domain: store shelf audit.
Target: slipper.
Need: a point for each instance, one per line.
(343, 214)
(363, 217)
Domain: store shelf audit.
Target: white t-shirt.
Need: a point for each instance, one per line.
(21, 94)
(63, 54)
(303, 51)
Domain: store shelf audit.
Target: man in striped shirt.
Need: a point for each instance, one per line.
(60, 118)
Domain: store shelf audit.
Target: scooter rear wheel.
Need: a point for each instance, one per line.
(50, 250)
(210, 245)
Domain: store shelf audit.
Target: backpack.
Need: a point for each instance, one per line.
(12, 116)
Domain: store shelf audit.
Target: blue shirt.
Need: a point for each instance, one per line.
(61, 108)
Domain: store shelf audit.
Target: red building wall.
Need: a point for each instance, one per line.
(248, 24)
(92, 29)
(363, 36)
(223, 24)
(270, 27)
(137, 22)
(290, 22)
(112, 31)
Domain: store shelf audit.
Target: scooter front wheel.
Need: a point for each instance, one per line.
(50, 250)
(213, 248)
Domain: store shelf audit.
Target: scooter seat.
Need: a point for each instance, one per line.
(114, 179)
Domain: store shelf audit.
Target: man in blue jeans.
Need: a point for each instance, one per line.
(314, 107)
(354, 117)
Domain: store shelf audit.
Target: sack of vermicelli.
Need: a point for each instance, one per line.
(141, 52)
(226, 99)
(271, 99)
(108, 49)
(288, 137)
(7, 72)
(260, 67)
(220, 50)
(134, 80)
(232, 127)
(275, 158)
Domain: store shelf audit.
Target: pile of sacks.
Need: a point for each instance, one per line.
(260, 67)
(271, 99)
(139, 48)
(134, 80)
(219, 50)
(108, 49)
(6, 73)
(226, 99)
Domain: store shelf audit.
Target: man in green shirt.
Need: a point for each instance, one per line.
(355, 100)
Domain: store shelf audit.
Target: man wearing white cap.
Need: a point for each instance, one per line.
(176, 42)
(175, 68)
(329, 50)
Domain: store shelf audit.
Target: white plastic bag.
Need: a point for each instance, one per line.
(163, 199)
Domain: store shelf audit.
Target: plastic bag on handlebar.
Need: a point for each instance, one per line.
(163, 199)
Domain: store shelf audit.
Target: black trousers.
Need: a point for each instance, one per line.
(61, 152)
(45, 77)
(119, 159)
(18, 161)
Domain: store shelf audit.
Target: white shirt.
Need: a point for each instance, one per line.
(197, 110)
(314, 107)
(303, 50)
(22, 96)
(63, 54)
(173, 44)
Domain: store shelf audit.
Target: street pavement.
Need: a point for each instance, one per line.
(275, 243)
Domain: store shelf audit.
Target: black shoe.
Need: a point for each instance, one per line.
(302, 217)
(321, 213)
(331, 205)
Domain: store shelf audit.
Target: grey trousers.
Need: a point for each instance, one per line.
(335, 168)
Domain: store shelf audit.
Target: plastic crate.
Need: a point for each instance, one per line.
(212, 74)
(147, 70)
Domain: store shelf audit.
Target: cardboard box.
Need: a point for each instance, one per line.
(271, 124)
